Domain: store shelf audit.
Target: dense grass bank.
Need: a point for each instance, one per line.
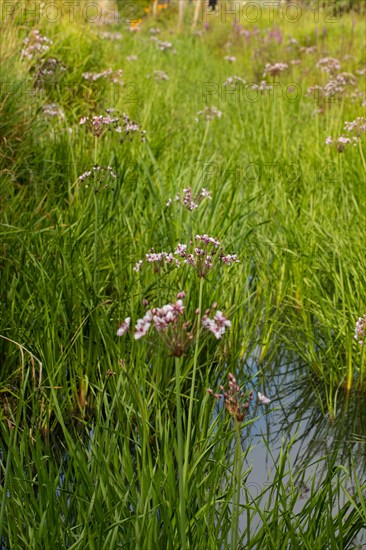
(114, 442)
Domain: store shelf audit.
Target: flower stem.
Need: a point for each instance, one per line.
(236, 501)
(96, 237)
(191, 396)
(362, 155)
(182, 510)
(204, 140)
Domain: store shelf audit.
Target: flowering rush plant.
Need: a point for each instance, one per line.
(237, 402)
(170, 323)
(355, 129)
(274, 69)
(189, 200)
(35, 45)
(360, 330)
(208, 113)
(203, 253)
(112, 121)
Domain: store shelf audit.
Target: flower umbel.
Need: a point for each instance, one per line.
(101, 170)
(209, 113)
(235, 401)
(204, 254)
(176, 332)
(35, 45)
(170, 325)
(274, 69)
(190, 201)
(123, 125)
(109, 74)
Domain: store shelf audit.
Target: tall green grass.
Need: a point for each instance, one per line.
(93, 454)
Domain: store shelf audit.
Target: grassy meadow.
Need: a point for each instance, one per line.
(213, 213)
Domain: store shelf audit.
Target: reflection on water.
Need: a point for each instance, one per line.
(299, 411)
(298, 417)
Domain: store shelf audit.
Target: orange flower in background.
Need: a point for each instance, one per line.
(162, 6)
(135, 24)
(147, 10)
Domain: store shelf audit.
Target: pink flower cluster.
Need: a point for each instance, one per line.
(308, 49)
(334, 89)
(274, 69)
(188, 200)
(242, 31)
(169, 323)
(229, 259)
(176, 333)
(161, 318)
(340, 143)
(230, 58)
(113, 76)
(160, 75)
(209, 113)
(233, 80)
(98, 125)
(158, 259)
(235, 401)
(357, 127)
(161, 45)
(100, 170)
(262, 87)
(36, 44)
(201, 256)
(329, 65)
(360, 330)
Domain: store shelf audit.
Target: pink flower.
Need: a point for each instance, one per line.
(179, 307)
(221, 320)
(217, 325)
(181, 250)
(262, 399)
(124, 326)
(142, 326)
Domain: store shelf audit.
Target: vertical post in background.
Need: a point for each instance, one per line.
(155, 8)
(181, 14)
(196, 13)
